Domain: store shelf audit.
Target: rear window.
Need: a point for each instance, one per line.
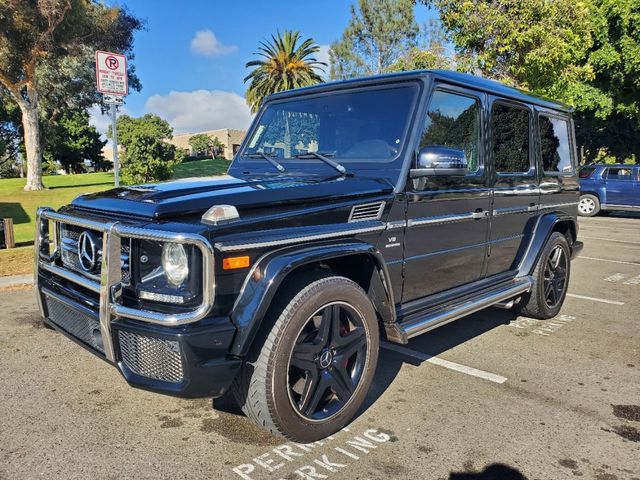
(619, 174)
(586, 172)
(555, 146)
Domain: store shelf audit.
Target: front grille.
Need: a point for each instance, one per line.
(151, 357)
(69, 235)
(75, 322)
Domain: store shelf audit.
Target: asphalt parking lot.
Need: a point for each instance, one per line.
(492, 396)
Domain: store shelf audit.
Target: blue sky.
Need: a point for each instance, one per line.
(191, 57)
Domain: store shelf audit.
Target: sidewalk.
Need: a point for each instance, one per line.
(14, 280)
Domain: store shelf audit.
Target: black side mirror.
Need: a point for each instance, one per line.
(440, 161)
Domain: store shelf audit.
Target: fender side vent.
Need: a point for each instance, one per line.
(367, 211)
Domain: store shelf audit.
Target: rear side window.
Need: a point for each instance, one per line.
(510, 127)
(586, 172)
(619, 174)
(554, 143)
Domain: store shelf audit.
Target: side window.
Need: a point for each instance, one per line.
(619, 174)
(554, 143)
(453, 122)
(510, 127)
(586, 172)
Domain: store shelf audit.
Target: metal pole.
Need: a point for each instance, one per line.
(116, 162)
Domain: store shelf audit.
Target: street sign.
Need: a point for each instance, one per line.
(112, 99)
(111, 73)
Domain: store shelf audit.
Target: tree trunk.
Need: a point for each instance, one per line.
(31, 127)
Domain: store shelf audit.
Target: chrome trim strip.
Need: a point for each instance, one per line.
(110, 281)
(459, 217)
(365, 205)
(614, 206)
(234, 247)
(396, 224)
(520, 285)
(557, 205)
(510, 210)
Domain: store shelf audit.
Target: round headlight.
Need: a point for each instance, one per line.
(175, 263)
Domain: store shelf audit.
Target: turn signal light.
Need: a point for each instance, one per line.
(231, 263)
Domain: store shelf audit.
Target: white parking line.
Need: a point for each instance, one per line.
(610, 240)
(607, 260)
(474, 372)
(594, 299)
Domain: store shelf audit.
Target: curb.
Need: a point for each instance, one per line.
(15, 280)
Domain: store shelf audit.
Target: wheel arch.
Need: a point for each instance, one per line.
(358, 261)
(546, 225)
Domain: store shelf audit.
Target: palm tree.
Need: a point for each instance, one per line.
(284, 65)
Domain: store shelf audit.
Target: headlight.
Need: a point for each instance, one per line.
(175, 263)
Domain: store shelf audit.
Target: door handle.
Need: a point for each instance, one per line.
(479, 214)
(532, 207)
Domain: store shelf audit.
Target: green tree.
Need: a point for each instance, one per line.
(201, 143)
(38, 42)
(379, 33)
(582, 53)
(284, 65)
(72, 140)
(147, 157)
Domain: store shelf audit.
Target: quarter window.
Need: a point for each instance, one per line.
(586, 172)
(453, 121)
(554, 144)
(620, 174)
(510, 127)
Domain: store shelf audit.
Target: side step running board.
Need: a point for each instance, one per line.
(416, 326)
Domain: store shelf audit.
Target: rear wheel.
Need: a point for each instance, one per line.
(309, 376)
(551, 279)
(589, 205)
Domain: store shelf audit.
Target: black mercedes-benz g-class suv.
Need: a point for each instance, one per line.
(377, 207)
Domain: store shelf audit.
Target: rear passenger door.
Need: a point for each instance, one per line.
(619, 182)
(515, 184)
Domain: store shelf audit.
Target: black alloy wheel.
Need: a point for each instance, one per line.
(327, 361)
(555, 276)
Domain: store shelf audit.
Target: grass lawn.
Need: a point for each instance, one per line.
(61, 189)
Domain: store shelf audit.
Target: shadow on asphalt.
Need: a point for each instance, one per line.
(497, 471)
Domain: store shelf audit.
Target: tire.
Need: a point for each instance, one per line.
(541, 302)
(275, 387)
(588, 206)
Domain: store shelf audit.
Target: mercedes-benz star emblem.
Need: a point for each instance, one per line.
(326, 358)
(87, 251)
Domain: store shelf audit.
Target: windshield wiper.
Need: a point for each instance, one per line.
(268, 158)
(324, 158)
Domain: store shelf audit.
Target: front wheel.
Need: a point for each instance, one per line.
(309, 376)
(550, 280)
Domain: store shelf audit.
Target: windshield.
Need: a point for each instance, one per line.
(357, 126)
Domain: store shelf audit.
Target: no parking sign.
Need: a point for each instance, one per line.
(111, 73)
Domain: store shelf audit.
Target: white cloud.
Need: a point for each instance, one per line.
(323, 56)
(201, 110)
(206, 44)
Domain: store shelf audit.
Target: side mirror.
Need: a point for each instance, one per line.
(440, 161)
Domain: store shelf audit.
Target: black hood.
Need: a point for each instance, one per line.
(196, 195)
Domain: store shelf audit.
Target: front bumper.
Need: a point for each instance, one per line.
(189, 361)
(182, 354)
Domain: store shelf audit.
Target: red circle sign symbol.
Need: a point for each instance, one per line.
(111, 62)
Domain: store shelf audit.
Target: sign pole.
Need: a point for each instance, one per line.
(116, 161)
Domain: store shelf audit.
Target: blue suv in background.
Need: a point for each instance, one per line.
(609, 187)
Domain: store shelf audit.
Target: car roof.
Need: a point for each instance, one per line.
(616, 165)
(456, 78)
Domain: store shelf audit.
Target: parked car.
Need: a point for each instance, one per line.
(377, 207)
(609, 187)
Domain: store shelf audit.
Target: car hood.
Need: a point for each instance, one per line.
(195, 196)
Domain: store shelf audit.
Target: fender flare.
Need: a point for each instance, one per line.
(541, 233)
(267, 274)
